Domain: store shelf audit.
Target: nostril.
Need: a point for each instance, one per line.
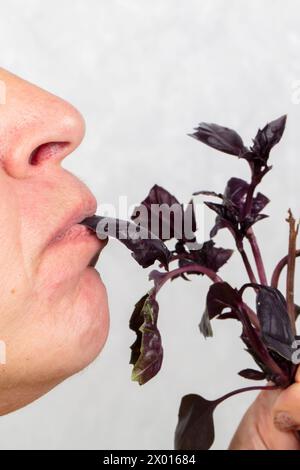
(45, 151)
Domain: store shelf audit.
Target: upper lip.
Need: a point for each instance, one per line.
(86, 208)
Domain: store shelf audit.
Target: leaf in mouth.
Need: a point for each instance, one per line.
(146, 247)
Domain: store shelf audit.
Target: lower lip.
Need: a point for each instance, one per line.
(70, 257)
(76, 232)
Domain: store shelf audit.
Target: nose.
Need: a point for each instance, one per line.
(37, 128)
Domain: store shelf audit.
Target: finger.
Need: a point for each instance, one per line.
(286, 410)
(256, 424)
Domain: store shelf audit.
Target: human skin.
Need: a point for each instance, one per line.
(272, 422)
(53, 313)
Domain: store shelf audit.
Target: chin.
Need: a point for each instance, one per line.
(92, 318)
(86, 327)
(67, 340)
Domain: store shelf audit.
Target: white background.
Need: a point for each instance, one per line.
(144, 74)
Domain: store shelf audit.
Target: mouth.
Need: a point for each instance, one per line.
(73, 232)
(72, 243)
(72, 253)
(71, 226)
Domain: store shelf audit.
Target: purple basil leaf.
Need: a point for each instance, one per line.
(135, 323)
(230, 214)
(218, 208)
(155, 215)
(221, 219)
(209, 256)
(219, 224)
(268, 137)
(146, 247)
(275, 322)
(212, 257)
(220, 296)
(147, 351)
(264, 367)
(235, 192)
(157, 195)
(195, 427)
(220, 138)
(253, 220)
(252, 374)
(259, 203)
(235, 197)
(146, 252)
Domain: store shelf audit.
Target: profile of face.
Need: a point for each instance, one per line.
(53, 310)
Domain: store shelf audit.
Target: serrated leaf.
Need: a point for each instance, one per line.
(135, 323)
(146, 351)
(208, 255)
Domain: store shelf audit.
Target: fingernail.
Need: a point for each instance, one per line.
(284, 422)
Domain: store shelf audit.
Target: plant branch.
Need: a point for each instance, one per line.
(279, 268)
(291, 263)
(252, 316)
(257, 256)
(192, 269)
(246, 261)
(246, 389)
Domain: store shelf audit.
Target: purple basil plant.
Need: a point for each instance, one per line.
(269, 333)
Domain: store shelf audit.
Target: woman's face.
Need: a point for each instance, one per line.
(53, 310)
